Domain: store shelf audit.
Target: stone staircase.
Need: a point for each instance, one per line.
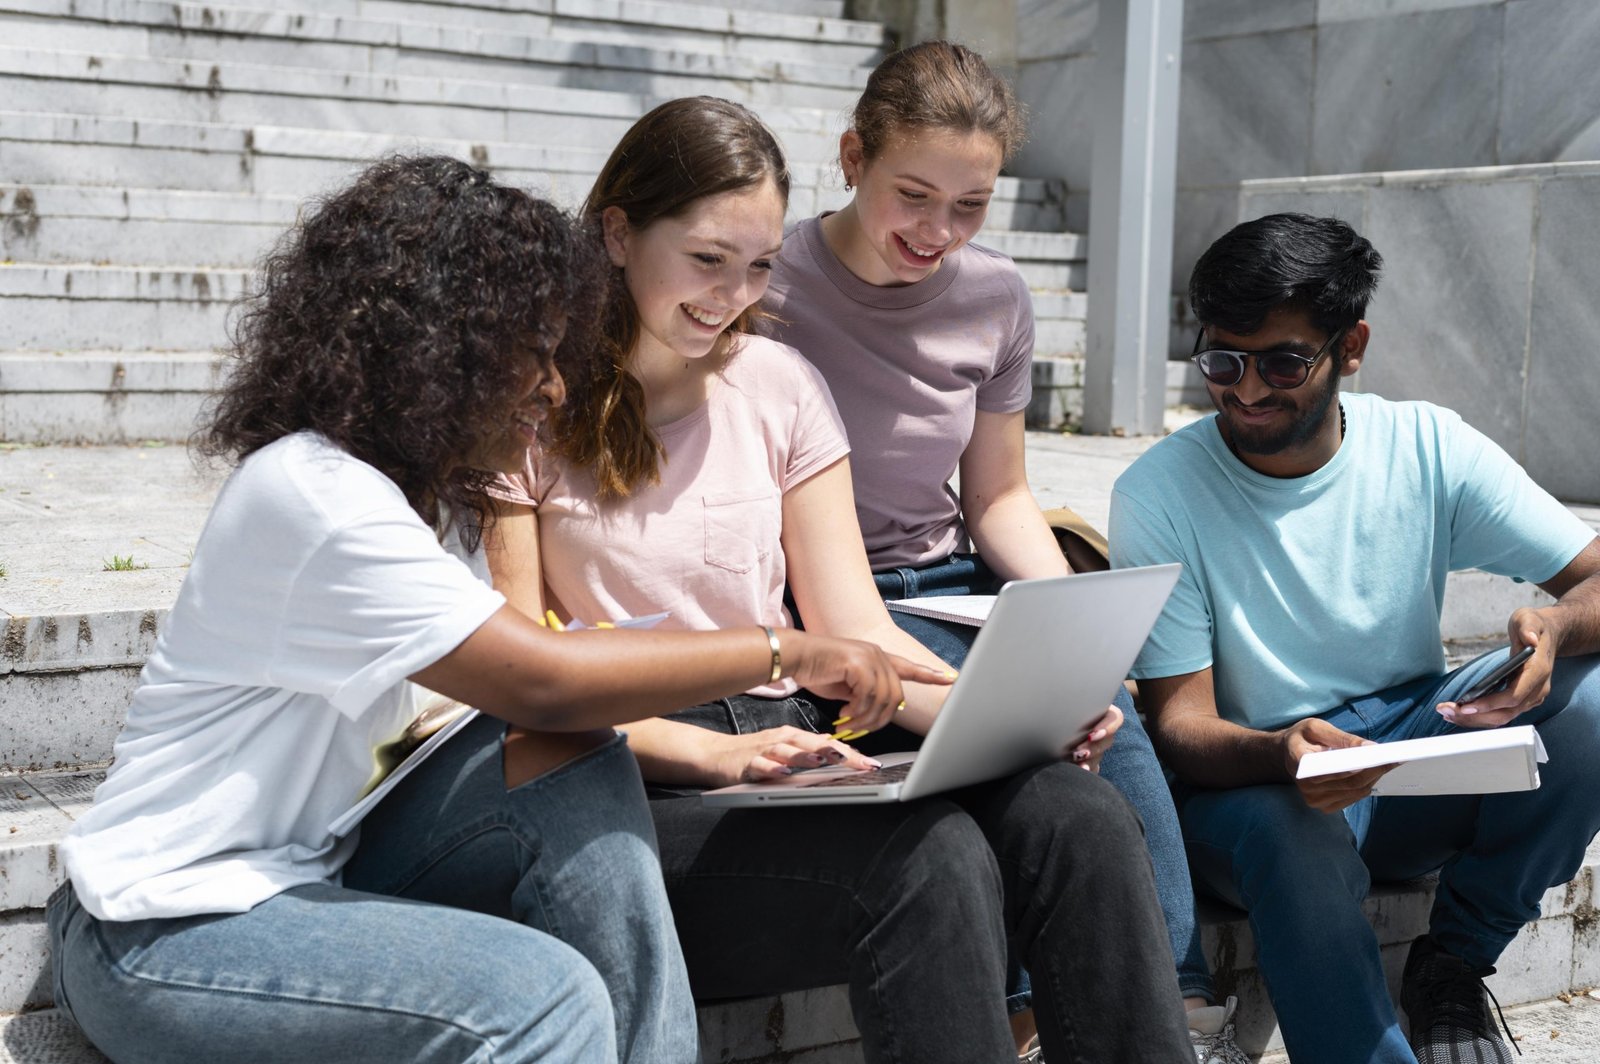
(150, 152)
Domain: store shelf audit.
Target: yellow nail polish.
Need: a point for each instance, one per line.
(555, 622)
(840, 734)
(604, 624)
(841, 720)
(852, 736)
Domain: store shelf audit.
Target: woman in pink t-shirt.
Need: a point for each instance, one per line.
(705, 472)
(926, 340)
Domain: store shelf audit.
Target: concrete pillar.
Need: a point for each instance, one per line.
(1135, 113)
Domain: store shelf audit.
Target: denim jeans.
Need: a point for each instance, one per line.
(916, 906)
(1302, 875)
(1130, 765)
(474, 924)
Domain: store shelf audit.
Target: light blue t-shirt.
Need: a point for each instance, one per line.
(1307, 592)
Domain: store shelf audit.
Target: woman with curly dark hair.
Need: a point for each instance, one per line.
(501, 901)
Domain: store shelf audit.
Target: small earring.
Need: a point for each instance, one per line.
(848, 187)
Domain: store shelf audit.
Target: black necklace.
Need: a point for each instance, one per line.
(1341, 421)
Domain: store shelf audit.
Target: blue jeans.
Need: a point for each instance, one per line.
(1302, 875)
(474, 924)
(1130, 765)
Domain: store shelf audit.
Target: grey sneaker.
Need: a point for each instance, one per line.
(1033, 1054)
(1211, 1034)
(1448, 1006)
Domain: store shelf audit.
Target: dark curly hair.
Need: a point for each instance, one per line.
(401, 318)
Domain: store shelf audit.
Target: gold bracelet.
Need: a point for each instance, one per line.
(777, 654)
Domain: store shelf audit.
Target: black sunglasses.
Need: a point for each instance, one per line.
(1278, 369)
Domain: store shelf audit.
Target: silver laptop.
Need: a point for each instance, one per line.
(1044, 668)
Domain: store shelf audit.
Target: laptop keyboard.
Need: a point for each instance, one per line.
(875, 777)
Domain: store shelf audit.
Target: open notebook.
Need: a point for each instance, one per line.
(957, 609)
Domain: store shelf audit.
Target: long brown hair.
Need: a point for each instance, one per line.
(679, 153)
(938, 85)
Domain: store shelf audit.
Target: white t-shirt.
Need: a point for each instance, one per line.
(314, 592)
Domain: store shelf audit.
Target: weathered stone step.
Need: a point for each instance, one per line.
(112, 150)
(145, 227)
(743, 30)
(162, 227)
(103, 396)
(48, 81)
(304, 40)
(811, 8)
(59, 303)
(1053, 262)
(772, 31)
(83, 307)
(662, 37)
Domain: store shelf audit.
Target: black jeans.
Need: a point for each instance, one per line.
(916, 906)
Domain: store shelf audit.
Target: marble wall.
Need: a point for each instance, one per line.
(1487, 302)
(1305, 87)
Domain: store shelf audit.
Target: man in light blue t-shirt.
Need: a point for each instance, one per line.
(1316, 531)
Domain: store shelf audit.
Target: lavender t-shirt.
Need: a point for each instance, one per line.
(909, 367)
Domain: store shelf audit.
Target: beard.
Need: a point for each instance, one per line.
(1265, 441)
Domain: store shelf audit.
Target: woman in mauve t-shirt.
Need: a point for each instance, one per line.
(705, 472)
(926, 341)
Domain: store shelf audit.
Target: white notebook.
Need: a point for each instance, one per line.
(957, 609)
(1472, 762)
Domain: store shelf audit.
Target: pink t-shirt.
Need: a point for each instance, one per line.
(909, 367)
(703, 544)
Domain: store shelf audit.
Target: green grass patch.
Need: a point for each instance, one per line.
(122, 563)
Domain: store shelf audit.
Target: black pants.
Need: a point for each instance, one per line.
(916, 905)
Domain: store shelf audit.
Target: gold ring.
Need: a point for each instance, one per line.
(901, 706)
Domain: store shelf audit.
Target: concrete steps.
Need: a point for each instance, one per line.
(657, 49)
(82, 307)
(153, 151)
(39, 149)
(166, 228)
(104, 352)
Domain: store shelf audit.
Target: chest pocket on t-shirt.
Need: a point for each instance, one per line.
(742, 529)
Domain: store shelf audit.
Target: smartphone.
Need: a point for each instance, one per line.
(1498, 678)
